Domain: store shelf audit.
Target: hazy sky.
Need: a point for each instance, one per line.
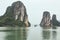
(35, 8)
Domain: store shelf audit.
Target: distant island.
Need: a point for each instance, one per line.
(15, 15)
(47, 22)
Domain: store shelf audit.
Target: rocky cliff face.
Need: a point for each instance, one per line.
(46, 22)
(15, 14)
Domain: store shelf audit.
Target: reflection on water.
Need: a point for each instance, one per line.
(10, 35)
(30, 33)
(13, 33)
(49, 34)
(54, 35)
(46, 34)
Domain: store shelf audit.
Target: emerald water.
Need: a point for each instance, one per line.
(29, 33)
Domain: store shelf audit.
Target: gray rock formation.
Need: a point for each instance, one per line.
(55, 22)
(46, 22)
(20, 12)
(17, 13)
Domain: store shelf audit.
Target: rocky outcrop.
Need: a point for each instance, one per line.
(15, 15)
(55, 22)
(46, 22)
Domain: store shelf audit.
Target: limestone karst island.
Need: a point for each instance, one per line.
(15, 15)
(47, 21)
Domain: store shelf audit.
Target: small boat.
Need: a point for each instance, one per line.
(35, 25)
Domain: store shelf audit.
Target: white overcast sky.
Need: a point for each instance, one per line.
(35, 8)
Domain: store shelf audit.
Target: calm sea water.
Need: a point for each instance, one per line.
(29, 33)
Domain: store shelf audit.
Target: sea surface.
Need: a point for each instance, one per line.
(29, 33)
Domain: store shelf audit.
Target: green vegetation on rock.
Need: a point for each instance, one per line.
(9, 18)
